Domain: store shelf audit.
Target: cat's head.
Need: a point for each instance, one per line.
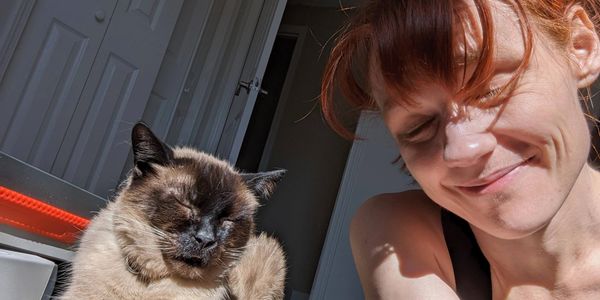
(192, 209)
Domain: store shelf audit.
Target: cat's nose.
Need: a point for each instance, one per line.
(206, 238)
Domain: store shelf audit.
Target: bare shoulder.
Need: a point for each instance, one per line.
(399, 249)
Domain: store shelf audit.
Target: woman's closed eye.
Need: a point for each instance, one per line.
(421, 132)
(427, 129)
(490, 95)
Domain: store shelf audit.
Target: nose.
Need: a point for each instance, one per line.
(464, 147)
(205, 237)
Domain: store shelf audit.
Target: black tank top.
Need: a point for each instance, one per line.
(471, 269)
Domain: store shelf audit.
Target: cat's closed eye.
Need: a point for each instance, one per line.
(180, 201)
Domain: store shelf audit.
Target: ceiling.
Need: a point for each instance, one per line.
(325, 3)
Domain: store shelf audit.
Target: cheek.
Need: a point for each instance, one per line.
(548, 119)
(553, 97)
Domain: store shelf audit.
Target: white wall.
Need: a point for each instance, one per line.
(368, 172)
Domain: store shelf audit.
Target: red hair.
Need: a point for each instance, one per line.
(415, 40)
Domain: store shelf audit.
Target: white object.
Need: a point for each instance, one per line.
(25, 276)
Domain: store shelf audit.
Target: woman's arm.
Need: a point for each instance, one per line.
(399, 249)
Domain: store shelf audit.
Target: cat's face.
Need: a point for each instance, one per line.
(199, 208)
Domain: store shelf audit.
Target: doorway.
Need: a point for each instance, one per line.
(266, 114)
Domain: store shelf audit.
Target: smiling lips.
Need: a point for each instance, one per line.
(494, 181)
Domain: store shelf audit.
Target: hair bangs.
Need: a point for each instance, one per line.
(412, 43)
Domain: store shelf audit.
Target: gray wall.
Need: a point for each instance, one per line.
(312, 153)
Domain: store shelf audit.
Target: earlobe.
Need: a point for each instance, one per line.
(584, 46)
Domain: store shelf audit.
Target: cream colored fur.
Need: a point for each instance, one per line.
(118, 238)
(100, 271)
(103, 274)
(260, 273)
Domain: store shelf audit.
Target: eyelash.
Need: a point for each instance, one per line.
(493, 93)
(411, 137)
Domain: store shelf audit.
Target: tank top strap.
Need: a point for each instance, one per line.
(471, 269)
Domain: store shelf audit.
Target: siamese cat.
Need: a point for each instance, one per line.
(180, 227)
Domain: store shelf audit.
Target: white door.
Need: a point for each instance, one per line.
(79, 77)
(215, 45)
(84, 71)
(96, 144)
(45, 72)
(192, 95)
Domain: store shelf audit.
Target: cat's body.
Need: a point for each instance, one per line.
(106, 274)
(180, 228)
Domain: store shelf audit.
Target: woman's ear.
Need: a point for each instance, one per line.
(584, 47)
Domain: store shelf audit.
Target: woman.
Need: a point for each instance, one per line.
(482, 98)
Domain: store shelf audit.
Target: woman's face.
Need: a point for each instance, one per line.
(507, 169)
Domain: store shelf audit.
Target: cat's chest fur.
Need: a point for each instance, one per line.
(107, 276)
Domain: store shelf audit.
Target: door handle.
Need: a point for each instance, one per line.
(253, 84)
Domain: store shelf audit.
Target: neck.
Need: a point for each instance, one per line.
(562, 257)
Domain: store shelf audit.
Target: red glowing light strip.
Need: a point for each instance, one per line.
(38, 217)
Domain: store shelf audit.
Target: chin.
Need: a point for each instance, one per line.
(520, 217)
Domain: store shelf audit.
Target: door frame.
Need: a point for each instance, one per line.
(299, 32)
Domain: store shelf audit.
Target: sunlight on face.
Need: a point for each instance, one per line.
(507, 169)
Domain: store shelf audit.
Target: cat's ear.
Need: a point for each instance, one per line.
(148, 149)
(263, 184)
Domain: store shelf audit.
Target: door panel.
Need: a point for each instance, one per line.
(200, 113)
(97, 141)
(13, 18)
(191, 27)
(45, 76)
